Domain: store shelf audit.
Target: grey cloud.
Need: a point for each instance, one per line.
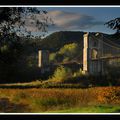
(64, 21)
(68, 20)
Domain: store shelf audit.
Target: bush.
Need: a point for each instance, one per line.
(78, 73)
(61, 74)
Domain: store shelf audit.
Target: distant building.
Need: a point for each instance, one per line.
(43, 58)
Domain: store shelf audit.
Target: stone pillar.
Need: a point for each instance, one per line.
(86, 54)
(43, 58)
(39, 58)
(92, 65)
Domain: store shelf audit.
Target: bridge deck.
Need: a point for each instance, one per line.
(106, 58)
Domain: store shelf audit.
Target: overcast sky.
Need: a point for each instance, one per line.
(88, 19)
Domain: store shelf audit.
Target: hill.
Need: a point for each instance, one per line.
(57, 40)
(114, 38)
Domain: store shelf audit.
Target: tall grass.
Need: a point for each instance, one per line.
(44, 100)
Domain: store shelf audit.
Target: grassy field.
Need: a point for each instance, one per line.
(91, 109)
(53, 100)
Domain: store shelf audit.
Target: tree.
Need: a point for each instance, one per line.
(16, 22)
(114, 24)
(69, 51)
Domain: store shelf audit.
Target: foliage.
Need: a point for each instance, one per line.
(114, 24)
(78, 73)
(67, 53)
(70, 51)
(52, 57)
(62, 73)
(14, 23)
(56, 57)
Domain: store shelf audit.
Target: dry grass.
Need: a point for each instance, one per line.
(42, 100)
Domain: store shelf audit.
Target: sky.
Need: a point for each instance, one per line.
(87, 19)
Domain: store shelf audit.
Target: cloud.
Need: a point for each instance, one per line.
(71, 21)
(63, 21)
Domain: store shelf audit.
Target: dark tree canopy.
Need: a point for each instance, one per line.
(16, 22)
(19, 19)
(114, 24)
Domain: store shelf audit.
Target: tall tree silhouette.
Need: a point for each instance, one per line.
(16, 25)
(16, 22)
(114, 24)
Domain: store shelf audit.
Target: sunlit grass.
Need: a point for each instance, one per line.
(91, 109)
(97, 99)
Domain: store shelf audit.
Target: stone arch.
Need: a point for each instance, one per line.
(94, 53)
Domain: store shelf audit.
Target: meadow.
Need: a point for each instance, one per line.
(60, 100)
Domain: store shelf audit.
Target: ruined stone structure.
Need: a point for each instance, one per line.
(91, 52)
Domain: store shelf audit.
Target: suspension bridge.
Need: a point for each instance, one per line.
(109, 49)
(97, 50)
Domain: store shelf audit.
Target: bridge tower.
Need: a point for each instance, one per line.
(43, 60)
(92, 50)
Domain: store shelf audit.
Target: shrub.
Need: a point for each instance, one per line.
(78, 73)
(61, 74)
